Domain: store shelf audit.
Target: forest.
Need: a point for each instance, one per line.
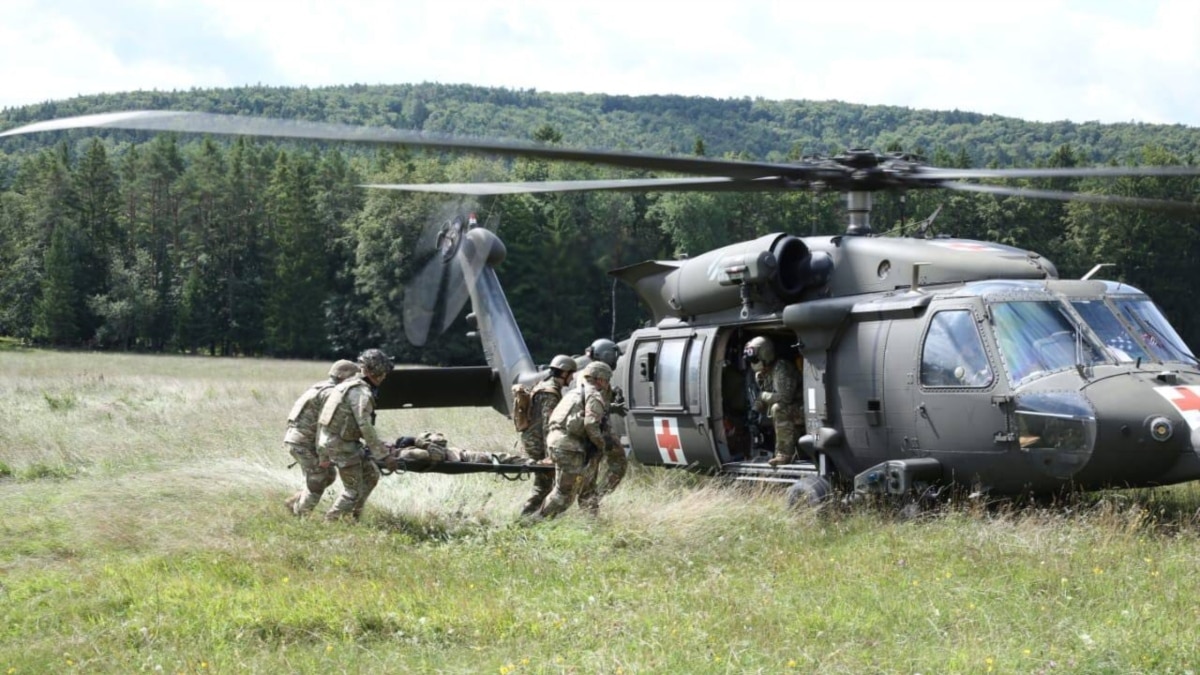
(232, 246)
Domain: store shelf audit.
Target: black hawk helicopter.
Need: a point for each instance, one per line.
(926, 362)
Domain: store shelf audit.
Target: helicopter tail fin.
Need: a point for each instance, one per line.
(503, 345)
(508, 359)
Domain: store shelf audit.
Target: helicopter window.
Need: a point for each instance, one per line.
(953, 355)
(1036, 337)
(670, 371)
(1156, 332)
(693, 373)
(1119, 342)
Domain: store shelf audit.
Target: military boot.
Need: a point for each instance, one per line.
(532, 506)
(290, 503)
(779, 460)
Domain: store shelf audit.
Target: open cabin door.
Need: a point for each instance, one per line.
(668, 421)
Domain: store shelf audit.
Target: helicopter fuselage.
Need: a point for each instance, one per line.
(1006, 384)
(925, 363)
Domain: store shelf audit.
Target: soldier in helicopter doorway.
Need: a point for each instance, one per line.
(780, 395)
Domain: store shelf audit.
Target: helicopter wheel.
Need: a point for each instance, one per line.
(809, 491)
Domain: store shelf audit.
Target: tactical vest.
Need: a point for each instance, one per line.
(302, 420)
(568, 414)
(308, 399)
(336, 417)
(545, 388)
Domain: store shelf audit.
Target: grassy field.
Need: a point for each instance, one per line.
(143, 530)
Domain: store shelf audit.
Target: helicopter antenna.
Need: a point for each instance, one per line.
(612, 294)
(1097, 268)
(924, 225)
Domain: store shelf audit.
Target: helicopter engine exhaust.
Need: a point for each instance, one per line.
(766, 273)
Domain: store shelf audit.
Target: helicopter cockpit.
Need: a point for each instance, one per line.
(1047, 327)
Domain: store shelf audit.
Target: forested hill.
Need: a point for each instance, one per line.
(120, 240)
(759, 128)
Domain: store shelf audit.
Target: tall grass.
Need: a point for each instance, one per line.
(143, 529)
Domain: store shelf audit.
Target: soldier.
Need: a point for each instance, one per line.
(301, 440)
(604, 350)
(576, 436)
(780, 395)
(597, 483)
(347, 434)
(430, 448)
(545, 397)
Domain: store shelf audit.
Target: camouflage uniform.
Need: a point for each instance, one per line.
(597, 483)
(348, 438)
(783, 398)
(576, 423)
(301, 440)
(432, 448)
(546, 396)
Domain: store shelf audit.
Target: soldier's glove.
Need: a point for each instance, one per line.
(618, 408)
(760, 378)
(392, 462)
(760, 406)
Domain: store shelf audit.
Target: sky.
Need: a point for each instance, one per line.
(1039, 60)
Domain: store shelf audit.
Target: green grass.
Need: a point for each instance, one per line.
(143, 528)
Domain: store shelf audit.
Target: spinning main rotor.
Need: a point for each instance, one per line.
(857, 172)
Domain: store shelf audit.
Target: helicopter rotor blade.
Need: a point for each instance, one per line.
(1087, 197)
(706, 183)
(422, 294)
(855, 170)
(938, 174)
(436, 294)
(241, 125)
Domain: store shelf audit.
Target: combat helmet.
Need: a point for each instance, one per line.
(375, 363)
(605, 350)
(343, 369)
(597, 370)
(760, 349)
(563, 364)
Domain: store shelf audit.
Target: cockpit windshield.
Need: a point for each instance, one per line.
(1119, 342)
(1154, 330)
(1037, 337)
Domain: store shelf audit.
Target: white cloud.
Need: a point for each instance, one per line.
(1035, 59)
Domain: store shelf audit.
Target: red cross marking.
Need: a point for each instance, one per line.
(670, 442)
(1188, 401)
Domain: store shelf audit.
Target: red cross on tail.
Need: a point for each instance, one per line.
(666, 434)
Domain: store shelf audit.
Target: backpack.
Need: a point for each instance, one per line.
(522, 413)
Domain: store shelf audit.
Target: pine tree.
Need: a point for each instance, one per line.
(57, 316)
(298, 286)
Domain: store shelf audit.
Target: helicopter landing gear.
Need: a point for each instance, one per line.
(809, 492)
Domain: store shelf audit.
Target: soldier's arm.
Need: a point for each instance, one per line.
(362, 405)
(594, 412)
(543, 407)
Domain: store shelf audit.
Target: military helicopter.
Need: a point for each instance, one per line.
(927, 362)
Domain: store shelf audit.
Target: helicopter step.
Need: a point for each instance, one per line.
(765, 473)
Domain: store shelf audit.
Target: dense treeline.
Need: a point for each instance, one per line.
(218, 246)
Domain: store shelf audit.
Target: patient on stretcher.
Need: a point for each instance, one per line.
(431, 448)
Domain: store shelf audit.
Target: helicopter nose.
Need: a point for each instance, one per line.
(1141, 429)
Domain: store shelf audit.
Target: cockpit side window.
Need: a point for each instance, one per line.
(953, 354)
